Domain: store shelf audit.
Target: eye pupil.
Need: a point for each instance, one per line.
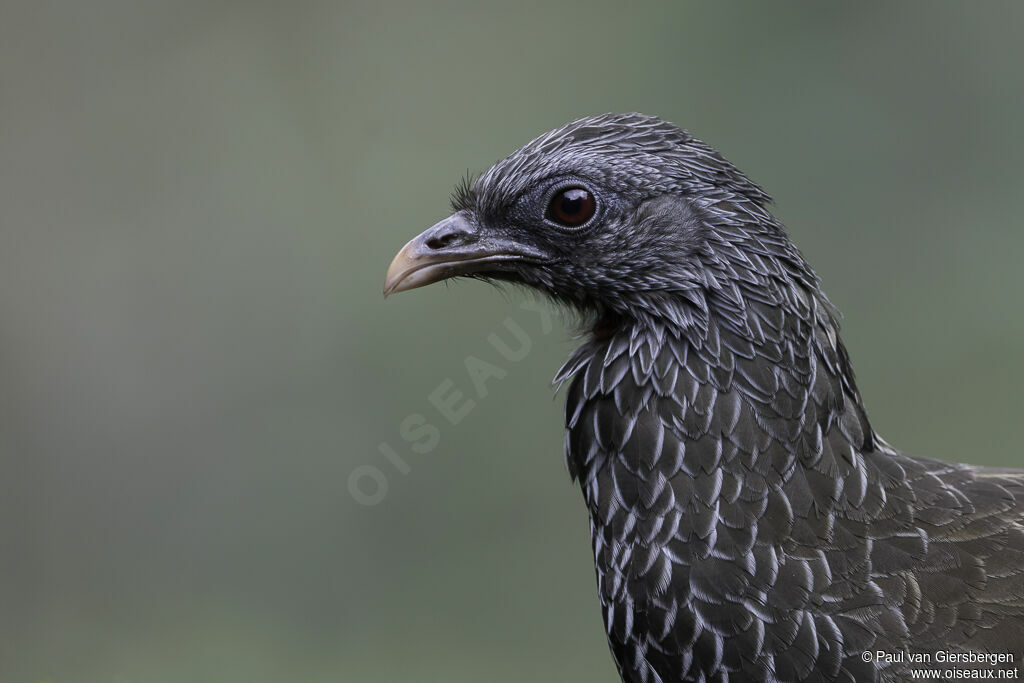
(572, 202)
(572, 207)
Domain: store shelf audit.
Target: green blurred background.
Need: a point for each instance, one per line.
(198, 201)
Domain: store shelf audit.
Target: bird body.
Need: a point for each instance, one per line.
(747, 522)
(745, 533)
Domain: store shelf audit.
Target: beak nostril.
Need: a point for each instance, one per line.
(447, 235)
(454, 232)
(442, 240)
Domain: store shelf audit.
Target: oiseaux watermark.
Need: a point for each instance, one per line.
(452, 401)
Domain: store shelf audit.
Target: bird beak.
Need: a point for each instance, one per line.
(452, 247)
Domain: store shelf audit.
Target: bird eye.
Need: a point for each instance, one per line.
(571, 207)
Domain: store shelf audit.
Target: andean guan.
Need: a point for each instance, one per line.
(747, 522)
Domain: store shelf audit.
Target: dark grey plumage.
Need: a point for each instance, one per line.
(748, 524)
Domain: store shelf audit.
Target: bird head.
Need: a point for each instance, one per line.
(621, 215)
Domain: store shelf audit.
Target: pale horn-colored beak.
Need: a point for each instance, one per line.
(450, 248)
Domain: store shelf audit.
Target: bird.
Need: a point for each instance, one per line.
(747, 522)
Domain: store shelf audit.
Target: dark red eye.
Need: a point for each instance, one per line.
(571, 207)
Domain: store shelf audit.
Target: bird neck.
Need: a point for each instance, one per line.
(780, 357)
